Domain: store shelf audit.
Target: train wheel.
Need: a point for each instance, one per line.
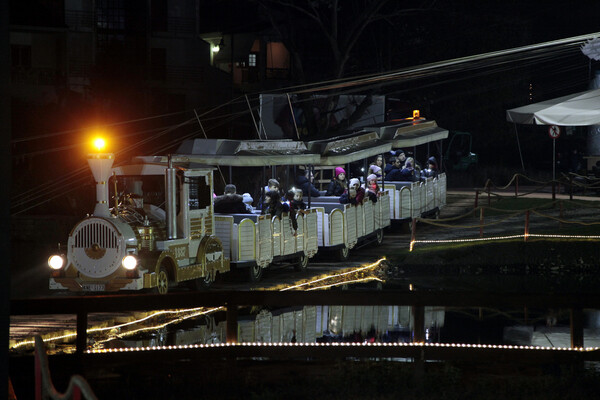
(203, 283)
(302, 264)
(379, 237)
(162, 281)
(343, 253)
(255, 273)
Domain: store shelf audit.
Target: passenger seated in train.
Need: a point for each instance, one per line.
(376, 166)
(306, 184)
(295, 203)
(374, 169)
(372, 190)
(230, 202)
(355, 193)
(399, 154)
(248, 202)
(432, 169)
(338, 185)
(416, 168)
(272, 186)
(394, 167)
(273, 205)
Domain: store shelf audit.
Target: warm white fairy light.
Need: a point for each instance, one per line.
(520, 236)
(353, 271)
(346, 344)
(362, 280)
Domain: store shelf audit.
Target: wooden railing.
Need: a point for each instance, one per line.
(232, 300)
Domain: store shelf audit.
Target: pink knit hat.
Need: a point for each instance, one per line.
(371, 177)
(339, 170)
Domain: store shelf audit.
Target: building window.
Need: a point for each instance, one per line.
(110, 15)
(252, 60)
(158, 64)
(159, 15)
(21, 57)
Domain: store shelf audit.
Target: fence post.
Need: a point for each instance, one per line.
(39, 383)
(418, 324)
(516, 185)
(526, 225)
(481, 222)
(570, 187)
(231, 320)
(81, 340)
(413, 232)
(561, 214)
(576, 327)
(476, 198)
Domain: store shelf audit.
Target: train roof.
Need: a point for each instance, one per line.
(246, 153)
(349, 148)
(155, 165)
(409, 133)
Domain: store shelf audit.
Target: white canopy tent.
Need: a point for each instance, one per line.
(579, 109)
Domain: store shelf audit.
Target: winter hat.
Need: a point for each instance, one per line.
(339, 170)
(354, 182)
(372, 177)
(432, 160)
(247, 198)
(375, 169)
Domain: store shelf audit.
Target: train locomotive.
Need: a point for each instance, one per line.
(159, 232)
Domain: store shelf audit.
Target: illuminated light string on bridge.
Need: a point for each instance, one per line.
(186, 314)
(345, 344)
(520, 236)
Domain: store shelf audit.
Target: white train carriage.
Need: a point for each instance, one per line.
(252, 240)
(343, 226)
(414, 199)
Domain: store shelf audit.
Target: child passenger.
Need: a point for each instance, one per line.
(338, 185)
(355, 193)
(372, 188)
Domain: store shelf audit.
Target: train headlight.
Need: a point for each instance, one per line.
(129, 262)
(56, 262)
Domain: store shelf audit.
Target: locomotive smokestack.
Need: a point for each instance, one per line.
(100, 164)
(171, 199)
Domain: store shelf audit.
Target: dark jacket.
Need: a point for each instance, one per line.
(275, 207)
(230, 204)
(335, 188)
(360, 195)
(303, 183)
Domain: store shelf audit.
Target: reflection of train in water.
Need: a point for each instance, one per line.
(162, 230)
(309, 324)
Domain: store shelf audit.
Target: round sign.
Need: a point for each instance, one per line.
(554, 132)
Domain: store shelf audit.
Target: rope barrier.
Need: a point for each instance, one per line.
(572, 180)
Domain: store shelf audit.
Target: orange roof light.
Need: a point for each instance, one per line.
(99, 143)
(416, 114)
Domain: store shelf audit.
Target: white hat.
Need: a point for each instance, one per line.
(354, 181)
(247, 198)
(372, 177)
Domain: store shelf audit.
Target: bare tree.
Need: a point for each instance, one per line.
(327, 30)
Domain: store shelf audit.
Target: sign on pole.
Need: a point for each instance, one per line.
(554, 132)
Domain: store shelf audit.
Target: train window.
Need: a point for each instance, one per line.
(150, 187)
(199, 192)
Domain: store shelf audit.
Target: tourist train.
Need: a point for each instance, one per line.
(154, 225)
